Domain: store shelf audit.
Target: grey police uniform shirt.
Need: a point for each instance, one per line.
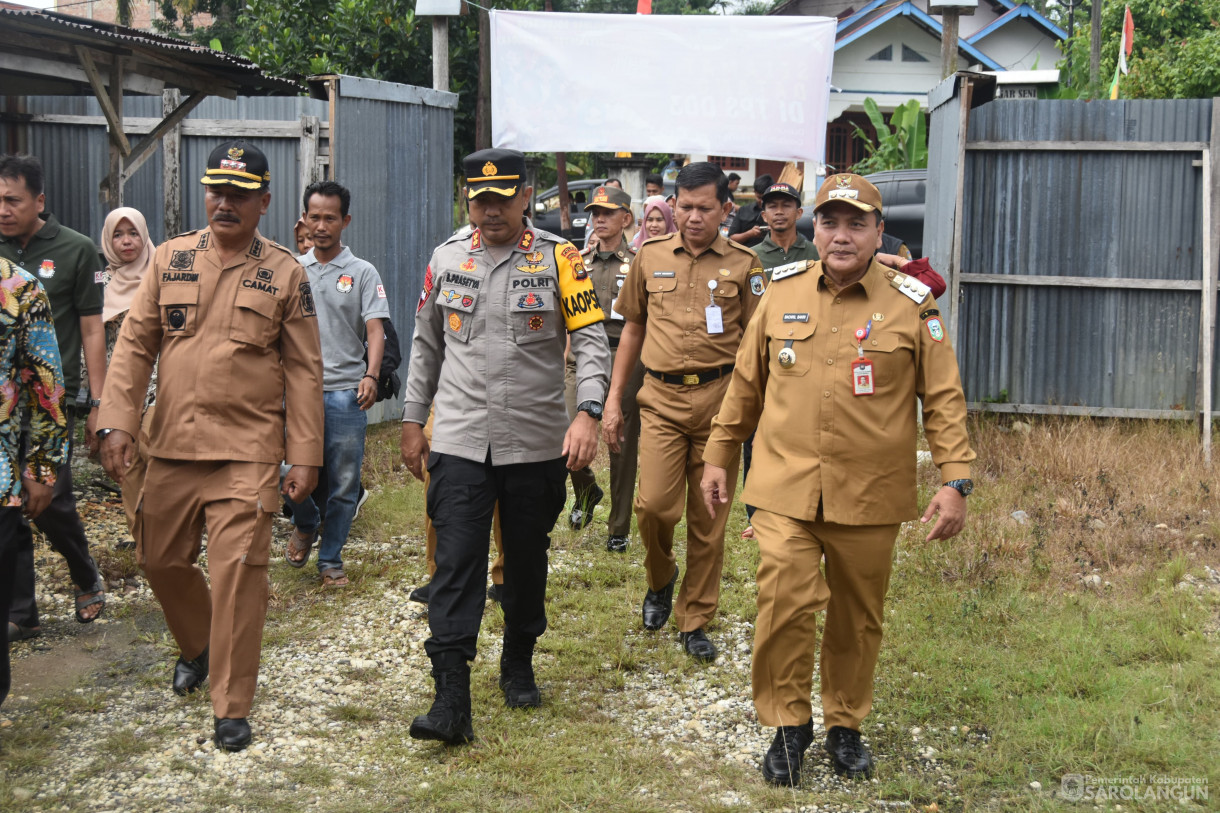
(347, 292)
(488, 347)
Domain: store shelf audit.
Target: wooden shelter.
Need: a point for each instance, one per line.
(47, 53)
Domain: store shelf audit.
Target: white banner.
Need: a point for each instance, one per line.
(754, 87)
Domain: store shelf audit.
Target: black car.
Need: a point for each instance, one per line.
(546, 209)
(902, 193)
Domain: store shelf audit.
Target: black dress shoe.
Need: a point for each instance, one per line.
(617, 544)
(421, 593)
(495, 592)
(582, 511)
(190, 675)
(658, 604)
(782, 763)
(232, 733)
(848, 754)
(698, 646)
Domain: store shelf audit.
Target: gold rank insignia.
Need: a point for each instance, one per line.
(878, 317)
(236, 153)
(489, 169)
(842, 181)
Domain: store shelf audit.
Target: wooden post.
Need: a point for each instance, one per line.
(332, 93)
(440, 53)
(482, 115)
(171, 173)
(311, 131)
(948, 42)
(117, 148)
(1211, 271)
(955, 245)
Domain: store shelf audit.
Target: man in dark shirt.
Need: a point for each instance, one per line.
(748, 224)
(783, 244)
(68, 266)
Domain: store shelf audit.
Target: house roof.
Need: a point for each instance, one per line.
(879, 12)
(1018, 12)
(44, 48)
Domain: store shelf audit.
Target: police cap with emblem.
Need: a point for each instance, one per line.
(609, 197)
(499, 171)
(238, 163)
(850, 189)
(786, 190)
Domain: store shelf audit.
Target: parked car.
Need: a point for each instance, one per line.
(902, 192)
(546, 209)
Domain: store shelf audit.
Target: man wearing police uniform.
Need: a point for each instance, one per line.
(686, 303)
(830, 372)
(498, 307)
(608, 266)
(239, 390)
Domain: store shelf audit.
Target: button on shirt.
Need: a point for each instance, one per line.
(488, 347)
(240, 371)
(667, 289)
(608, 273)
(348, 292)
(816, 439)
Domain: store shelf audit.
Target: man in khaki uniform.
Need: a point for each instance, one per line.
(830, 372)
(686, 302)
(607, 265)
(239, 390)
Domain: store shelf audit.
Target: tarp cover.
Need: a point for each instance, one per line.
(744, 86)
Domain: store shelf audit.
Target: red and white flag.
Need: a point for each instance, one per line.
(643, 7)
(1128, 40)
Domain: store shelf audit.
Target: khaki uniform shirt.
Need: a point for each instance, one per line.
(489, 345)
(667, 290)
(240, 373)
(816, 439)
(608, 273)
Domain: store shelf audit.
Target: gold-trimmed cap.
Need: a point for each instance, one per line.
(499, 171)
(851, 189)
(609, 197)
(237, 163)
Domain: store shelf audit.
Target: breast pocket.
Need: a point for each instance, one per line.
(457, 306)
(254, 318)
(179, 310)
(534, 315)
(893, 356)
(662, 294)
(791, 347)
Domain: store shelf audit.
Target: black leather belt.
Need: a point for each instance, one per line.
(692, 379)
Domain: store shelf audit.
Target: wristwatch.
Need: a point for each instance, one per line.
(94, 403)
(964, 487)
(592, 408)
(102, 433)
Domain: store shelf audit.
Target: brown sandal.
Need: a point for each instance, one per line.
(334, 577)
(299, 544)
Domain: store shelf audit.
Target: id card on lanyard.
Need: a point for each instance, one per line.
(862, 368)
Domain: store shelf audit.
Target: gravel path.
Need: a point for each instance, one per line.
(317, 684)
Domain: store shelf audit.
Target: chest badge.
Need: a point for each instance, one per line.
(344, 284)
(787, 358)
(530, 301)
(724, 272)
(47, 269)
(536, 323)
(878, 317)
(455, 322)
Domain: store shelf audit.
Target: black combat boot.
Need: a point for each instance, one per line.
(517, 673)
(449, 718)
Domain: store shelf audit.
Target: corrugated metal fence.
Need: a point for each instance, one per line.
(1081, 244)
(392, 147)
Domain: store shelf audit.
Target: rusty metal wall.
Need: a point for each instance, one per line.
(1121, 350)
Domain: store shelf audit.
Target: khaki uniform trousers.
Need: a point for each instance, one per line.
(237, 501)
(497, 566)
(675, 421)
(791, 591)
(133, 478)
(623, 463)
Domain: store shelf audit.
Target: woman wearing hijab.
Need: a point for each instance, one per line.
(658, 219)
(129, 253)
(304, 239)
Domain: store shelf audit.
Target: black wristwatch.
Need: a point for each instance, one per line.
(592, 408)
(963, 487)
(102, 433)
(94, 403)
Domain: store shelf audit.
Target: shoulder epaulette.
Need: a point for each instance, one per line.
(740, 247)
(910, 287)
(658, 238)
(284, 249)
(188, 233)
(791, 269)
(546, 235)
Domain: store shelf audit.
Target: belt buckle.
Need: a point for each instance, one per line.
(690, 379)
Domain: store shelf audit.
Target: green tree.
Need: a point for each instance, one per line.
(1174, 54)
